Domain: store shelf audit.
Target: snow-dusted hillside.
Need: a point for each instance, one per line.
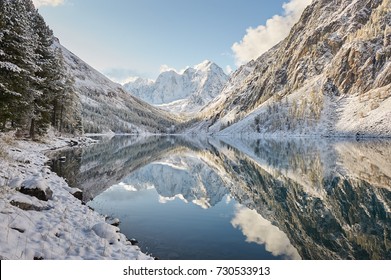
(330, 76)
(185, 92)
(107, 107)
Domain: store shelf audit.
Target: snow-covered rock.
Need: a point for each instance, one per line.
(36, 186)
(108, 232)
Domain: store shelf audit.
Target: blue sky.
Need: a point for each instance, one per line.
(124, 38)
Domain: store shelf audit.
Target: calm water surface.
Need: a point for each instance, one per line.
(236, 199)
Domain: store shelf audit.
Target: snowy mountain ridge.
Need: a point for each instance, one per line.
(184, 92)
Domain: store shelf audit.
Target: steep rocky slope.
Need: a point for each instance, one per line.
(330, 76)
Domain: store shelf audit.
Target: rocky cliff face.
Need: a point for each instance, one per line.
(330, 76)
(183, 92)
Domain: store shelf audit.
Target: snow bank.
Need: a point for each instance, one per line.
(57, 227)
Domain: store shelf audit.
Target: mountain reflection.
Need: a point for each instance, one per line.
(184, 176)
(306, 199)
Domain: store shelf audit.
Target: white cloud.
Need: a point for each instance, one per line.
(39, 3)
(130, 79)
(122, 75)
(260, 39)
(166, 68)
(261, 231)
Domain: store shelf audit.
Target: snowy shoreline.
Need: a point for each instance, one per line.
(40, 218)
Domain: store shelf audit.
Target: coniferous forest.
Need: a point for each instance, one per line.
(35, 89)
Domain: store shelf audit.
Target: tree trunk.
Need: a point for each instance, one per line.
(32, 129)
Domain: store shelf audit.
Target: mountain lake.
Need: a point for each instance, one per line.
(223, 198)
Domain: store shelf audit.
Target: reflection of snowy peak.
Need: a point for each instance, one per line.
(186, 177)
(181, 92)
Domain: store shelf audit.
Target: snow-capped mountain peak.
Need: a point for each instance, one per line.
(184, 92)
(204, 66)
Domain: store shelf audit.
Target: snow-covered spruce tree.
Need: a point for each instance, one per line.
(35, 89)
(45, 77)
(17, 62)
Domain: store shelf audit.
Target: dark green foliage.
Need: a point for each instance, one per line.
(34, 85)
(16, 61)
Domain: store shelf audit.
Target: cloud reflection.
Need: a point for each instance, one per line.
(261, 231)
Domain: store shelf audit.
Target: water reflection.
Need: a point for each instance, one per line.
(243, 199)
(261, 231)
(181, 176)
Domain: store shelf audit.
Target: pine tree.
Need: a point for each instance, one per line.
(35, 89)
(46, 78)
(17, 62)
